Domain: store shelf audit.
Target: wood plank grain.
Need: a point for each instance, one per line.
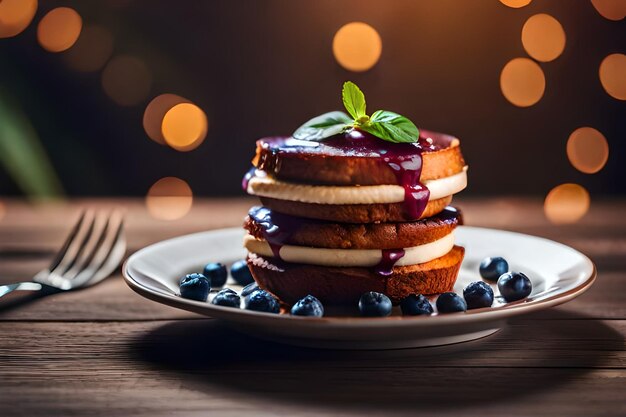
(193, 367)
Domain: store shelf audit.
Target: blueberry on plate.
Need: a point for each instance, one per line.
(227, 298)
(491, 268)
(217, 273)
(416, 305)
(374, 304)
(249, 289)
(261, 300)
(478, 294)
(450, 302)
(241, 273)
(308, 306)
(514, 286)
(195, 287)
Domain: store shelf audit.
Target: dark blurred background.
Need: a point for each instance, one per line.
(259, 68)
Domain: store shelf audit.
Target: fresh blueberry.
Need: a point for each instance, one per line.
(261, 300)
(217, 273)
(249, 289)
(227, 298)
(514, 286)
(241, 273)
(450, 302)
(374, 304)
(308, 306)
(478, 294)
(416, 305)
(491, 268)
(195, 287)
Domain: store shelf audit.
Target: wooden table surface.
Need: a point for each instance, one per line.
(107, 351)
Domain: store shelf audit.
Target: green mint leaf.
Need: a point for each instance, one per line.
(323, 126)
(353, 100)
(391, 127)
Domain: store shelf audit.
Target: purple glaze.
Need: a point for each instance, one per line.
(275, 227)
(246, 179)
(388, 261)
(356, 143)
(405, 159)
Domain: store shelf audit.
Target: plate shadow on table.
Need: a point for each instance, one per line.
(526, 357)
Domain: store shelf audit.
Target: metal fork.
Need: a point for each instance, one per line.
(92, 251)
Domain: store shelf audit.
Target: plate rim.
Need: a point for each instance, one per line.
(470, 316)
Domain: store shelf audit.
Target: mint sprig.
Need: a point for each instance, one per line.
(383, 124)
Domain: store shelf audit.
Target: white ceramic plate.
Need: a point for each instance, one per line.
(558, 273)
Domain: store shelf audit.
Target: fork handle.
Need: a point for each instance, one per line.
(23, 286)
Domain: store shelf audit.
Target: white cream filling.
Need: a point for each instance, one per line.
(264, 186)
(351, 257)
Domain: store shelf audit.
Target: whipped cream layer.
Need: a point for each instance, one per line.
(351, 257)
(263, 185)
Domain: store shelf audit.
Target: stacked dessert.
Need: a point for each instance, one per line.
(352, 205)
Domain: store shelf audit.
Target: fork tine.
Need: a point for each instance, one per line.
(108, 254)
(91, 245)
(75, 243)
(68, 241)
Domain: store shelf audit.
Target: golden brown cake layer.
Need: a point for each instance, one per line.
(321, 234)
(327, 168)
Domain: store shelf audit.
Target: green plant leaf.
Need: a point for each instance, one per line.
(323, 126)
(353, 100)
(23, 156)
(391, 127)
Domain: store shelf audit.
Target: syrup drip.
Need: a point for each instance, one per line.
(246, 178)
(275, 227)
(386, 264)
(405, 159)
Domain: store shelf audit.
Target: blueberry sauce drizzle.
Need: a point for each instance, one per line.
(388, 261)
(246, 178)
(405, 159)
(276, 228)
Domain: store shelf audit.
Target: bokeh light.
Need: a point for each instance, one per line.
(92, 50)
(610, 9)
(566, 203)
(543, 37)
(516, 4)
(613, 75)
(170, 198)
(522, 82)
(59, 29)
(15, 16)
(155, 112)
(357, 46)
(184, 126)
(126, 80)
(587, 150)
